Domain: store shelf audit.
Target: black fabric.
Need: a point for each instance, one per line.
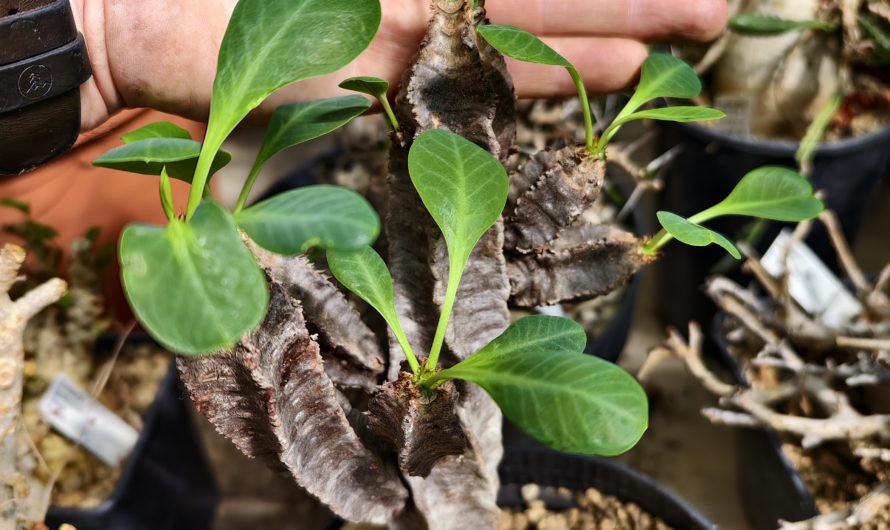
(43, 62)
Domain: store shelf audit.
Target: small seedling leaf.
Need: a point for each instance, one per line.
(565, 399)
(462, 185)
(315, 216)
(364, 272)
(292, 125)
(150, 156)
(194, 286)
(161, 129)
(664, 76)
(772, 192)
(372, 86)
(694, 234)
(679, 114)
(521, 45)
(166, 192)
(755, 24)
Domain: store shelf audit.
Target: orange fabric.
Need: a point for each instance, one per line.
(72, 196)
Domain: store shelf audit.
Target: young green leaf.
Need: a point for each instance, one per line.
(695, 235)
(150, 156)
(663, 76)
(364, 272)
(292, 125)
(377, 88)
(195, 287)
(257, 57)
(755, 24)
(166, 192)
(771, 192)
(315, 216)
(161, 129)
(678, 114)
(372, 86)
(465, 190)
(567, 400)
(523, 46)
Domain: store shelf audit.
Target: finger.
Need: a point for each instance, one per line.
(606, 64)
(647, 20)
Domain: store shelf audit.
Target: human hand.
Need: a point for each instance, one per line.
(162, 54)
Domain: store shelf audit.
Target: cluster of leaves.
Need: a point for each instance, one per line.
(193, 283)
(536, 370)
(663, 76)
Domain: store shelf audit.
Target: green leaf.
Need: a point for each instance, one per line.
(567, 400)
(273, 43)
(679, 114)
(462, 185)
(694, 234)
(754, 24)
(771, 192)
(364, 272)
(372, 86)
(465, 190)
(166, 192)
(292, 125)
(161, 129)
(315, 216)
(150, 156)
(521, 45)
(9, 202)
(663, 76)
(194, 286)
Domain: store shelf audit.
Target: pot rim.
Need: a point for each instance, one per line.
(787, 148)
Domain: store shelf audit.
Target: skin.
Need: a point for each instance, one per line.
(162, 53)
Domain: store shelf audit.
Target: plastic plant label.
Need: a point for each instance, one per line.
(811, 283)
(86, 422)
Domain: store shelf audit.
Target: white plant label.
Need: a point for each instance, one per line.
(811, 283)
(87, 422)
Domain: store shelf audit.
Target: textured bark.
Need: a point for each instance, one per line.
(457, 82)
(352, 352)
(14, 316)
(271, 397)
(569, 181)
(606, 259)
(422, 429)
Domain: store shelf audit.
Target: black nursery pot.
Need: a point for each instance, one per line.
(166, 483)
(578, 473)
(711, 163)
(769, 486)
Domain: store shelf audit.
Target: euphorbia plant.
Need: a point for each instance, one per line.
(381, 424)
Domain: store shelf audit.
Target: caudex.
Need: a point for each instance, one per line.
(401, 424)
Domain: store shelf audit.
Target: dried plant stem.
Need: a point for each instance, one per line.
(14, 315)
(851, 517)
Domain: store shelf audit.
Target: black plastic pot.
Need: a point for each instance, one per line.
(711, 163)
(578, 473)
(770, 487)
(166, 483)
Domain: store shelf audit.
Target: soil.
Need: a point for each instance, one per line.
(83, 480)
(591, 511)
